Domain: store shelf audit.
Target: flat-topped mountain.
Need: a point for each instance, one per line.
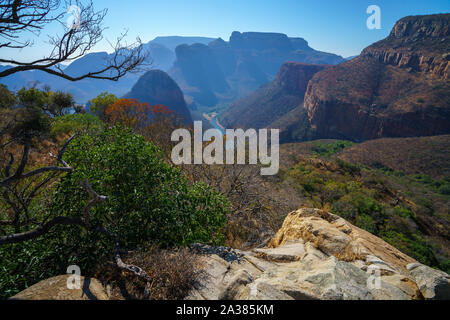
(225, 71)
(161, 56)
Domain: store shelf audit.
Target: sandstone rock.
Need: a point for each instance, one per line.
(56, 289)
(262, 291)
(236, 286)
(335, 236)
(433, 284)
(291, 251)
(318, 255)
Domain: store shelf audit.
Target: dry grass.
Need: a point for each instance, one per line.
(174, 273)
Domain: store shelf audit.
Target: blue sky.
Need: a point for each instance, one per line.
(337, 26)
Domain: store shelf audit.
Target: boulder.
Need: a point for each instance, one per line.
(318, 255)
(56, 289)
(433, 284)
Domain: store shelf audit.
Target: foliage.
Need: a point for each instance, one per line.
(327, 149)
(7, 98)
(149, 201)
(99, 104)
(53, 103)
(134, 114)
(71, 123)
(365, 198)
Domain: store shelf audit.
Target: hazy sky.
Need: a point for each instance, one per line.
(337, 26)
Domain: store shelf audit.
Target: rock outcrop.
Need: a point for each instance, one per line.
(56, 289)
(318, 255)
(397, 87)
(315, 255)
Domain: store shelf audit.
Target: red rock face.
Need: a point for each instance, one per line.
(397, 87)
(273, 101)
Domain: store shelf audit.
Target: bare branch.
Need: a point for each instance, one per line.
(17, 17)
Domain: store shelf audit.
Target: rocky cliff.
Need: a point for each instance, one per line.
(274, 100)
(397, 87)
(156, 87)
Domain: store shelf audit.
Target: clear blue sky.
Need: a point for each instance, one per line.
(337, 26)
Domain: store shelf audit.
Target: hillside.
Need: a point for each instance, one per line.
(397, 87)
(423, 155)
(274, 100)
(409, 210)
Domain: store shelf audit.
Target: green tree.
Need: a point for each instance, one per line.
(101, 102)
(7, 98)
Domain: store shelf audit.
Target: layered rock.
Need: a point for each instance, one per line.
(273, 101)
(419, 43)
(397, 87)
(318, 255)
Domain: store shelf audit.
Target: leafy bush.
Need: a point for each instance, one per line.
(327, 149)
(74, 122)
(24, 264)
(413, 245)
(149, 201)
(367, 223)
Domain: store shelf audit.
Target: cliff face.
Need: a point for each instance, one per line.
(156, 87)
(418, 43)
(397, 87)
(274, 100)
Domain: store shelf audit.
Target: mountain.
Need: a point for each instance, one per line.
(397, 87)
(172, 42)
(273, 100)
(156, 87)
(236, 68)
(161, 57)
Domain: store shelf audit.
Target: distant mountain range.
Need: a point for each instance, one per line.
(161, 56)
(208, 70)
(225, 71)
(397, 87)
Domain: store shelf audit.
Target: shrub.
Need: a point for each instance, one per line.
(74, 122)
(174, 274)
(328, 149)
(444, 189)
(149, 201)
(367, 223)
